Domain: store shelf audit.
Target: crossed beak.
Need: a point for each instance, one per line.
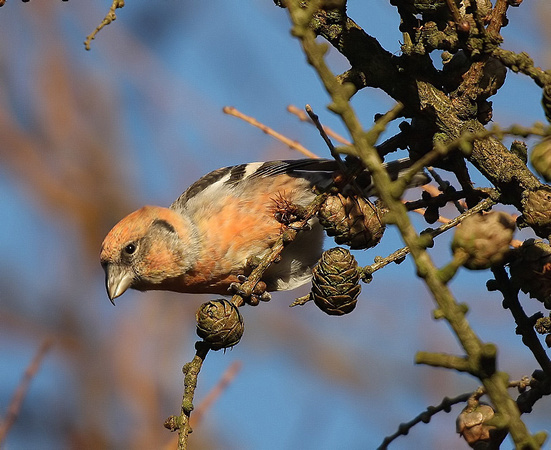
(117, 280)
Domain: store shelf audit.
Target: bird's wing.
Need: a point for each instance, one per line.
(316, 170)
(233, 175)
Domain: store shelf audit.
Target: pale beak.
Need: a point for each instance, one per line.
(117, 280)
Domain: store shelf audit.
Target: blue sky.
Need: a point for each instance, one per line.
(164, 71)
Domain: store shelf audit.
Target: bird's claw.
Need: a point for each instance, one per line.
(299, 227)
(257, 295)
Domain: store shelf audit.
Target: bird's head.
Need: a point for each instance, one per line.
(144, 250)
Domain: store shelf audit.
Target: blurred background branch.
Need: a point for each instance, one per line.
(87, 137)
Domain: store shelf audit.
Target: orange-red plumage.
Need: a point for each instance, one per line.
(204, 241)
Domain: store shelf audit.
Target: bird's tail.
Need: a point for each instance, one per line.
(399, 167)
(395, 169)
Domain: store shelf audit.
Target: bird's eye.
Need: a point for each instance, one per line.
(129, 249)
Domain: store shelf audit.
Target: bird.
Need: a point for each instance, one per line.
(205, 240)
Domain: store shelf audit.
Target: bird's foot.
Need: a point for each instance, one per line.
(253, 297)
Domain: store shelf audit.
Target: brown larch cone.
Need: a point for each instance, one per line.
(219, 323)
(353, 221)
(335, 282)
(484, 239)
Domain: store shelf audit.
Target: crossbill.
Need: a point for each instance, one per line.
(207, 238)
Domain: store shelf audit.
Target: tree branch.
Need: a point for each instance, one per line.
(19, 395)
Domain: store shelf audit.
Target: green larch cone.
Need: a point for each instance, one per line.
(471, 424)
(531, 270)
(483, 239)
(353, 221)
(335, 282)
(219, 323)
(540, 157)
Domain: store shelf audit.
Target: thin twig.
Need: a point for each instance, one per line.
(336, 156)
(330, 132)
(294, 145)
(437, 199)
(540, 386)
(525, 327)
(521, 62)
(228, 376)
(424, 417)
(418, 206)
(191, 371)
(17, 400)
(446, 188)
(315, 119)
(109, 17)
(400, 254)
(457, 17)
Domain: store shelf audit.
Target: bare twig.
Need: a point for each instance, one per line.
(425, 417)
(315, 119)
(336, 156)
(400, 254)
(109, 17)
(17, 400)
(525, 327)
(228, 376)
(294, 145)
(191, 371)
(446, 187)
(330, 132)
